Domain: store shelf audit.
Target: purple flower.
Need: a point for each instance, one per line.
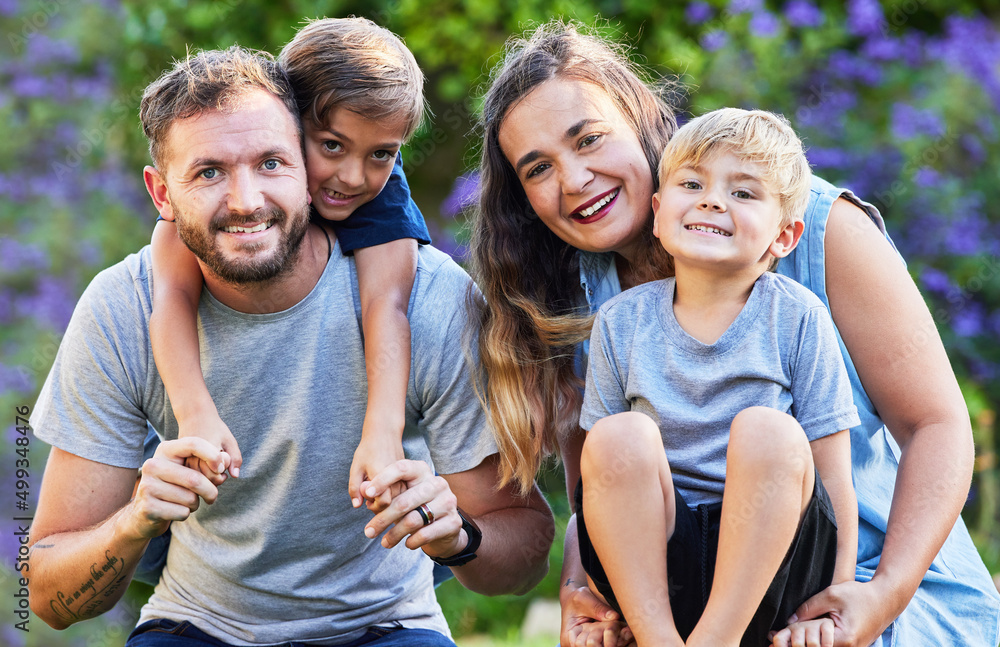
(825, 108)
(909, 122)
(865, 17)
(913, 47)
(745, 6)
(698, 13)
(982, 370)
(968, 231)
(42, 50)
(89, 253)
(446, 242)
(764, 25)
(971, 46)
(51, 305)
(935, 281)
(464, 192)
(6, 307)
(974, 148)
(714, 40)
(882, 48)
(848, 67)
(802, 13)
(969, 320)
(927, 177)
(829, 158)
(20, 257)
(29, 86)
(14, 379)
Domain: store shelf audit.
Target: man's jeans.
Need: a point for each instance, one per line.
(167, 633)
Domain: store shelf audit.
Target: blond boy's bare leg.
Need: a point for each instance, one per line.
(628, 499)
(769, 482)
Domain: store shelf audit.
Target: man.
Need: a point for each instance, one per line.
(278, 555)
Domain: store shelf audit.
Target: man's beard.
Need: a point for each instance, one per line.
(252, 270)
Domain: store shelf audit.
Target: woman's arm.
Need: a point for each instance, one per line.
(904, 369)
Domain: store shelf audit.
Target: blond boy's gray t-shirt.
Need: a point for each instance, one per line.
(780, 352)
(281, 556)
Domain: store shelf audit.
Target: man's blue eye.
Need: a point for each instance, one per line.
(271, 165)
(209, 173)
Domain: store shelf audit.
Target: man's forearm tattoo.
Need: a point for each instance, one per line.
(103, 582)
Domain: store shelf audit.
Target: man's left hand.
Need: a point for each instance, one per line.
(441, 535)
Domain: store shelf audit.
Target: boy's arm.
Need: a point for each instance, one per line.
(832, 456)
(177, 284)
(385, 279)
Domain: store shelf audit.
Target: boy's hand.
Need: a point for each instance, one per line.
(211, 428)
(375, 452)
(806, 633)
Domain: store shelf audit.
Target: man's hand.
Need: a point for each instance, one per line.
(168, 490)
(443, 537)
(587, 621)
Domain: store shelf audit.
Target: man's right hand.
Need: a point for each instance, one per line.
(586, 620)
(168, 490)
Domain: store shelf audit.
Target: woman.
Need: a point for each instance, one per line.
(572, 138)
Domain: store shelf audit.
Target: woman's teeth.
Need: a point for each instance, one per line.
(597, 206)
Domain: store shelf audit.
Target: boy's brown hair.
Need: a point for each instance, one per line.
(354, 63)
(209, 80)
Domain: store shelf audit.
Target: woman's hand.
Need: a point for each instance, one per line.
(589, 622)
(860, 612)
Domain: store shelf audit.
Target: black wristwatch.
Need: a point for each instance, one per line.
(469, 552)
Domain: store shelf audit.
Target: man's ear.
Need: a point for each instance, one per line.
(787, 239)
(656, 210)
(156, 185)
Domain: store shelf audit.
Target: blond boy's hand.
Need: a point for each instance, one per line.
(806, 633)
(375, 452)
(211, 428)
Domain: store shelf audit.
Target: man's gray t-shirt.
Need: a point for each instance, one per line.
(281, 555)
(780, 352)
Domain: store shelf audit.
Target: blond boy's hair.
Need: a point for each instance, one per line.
(356, 64)
(757, 136)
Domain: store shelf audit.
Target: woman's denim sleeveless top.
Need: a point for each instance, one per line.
(957, 602)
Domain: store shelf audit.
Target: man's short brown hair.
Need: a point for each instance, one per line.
(209, 80)
(354, 63)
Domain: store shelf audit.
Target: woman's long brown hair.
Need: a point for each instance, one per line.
(533, 316)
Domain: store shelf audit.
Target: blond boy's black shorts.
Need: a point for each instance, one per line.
(691, 553)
